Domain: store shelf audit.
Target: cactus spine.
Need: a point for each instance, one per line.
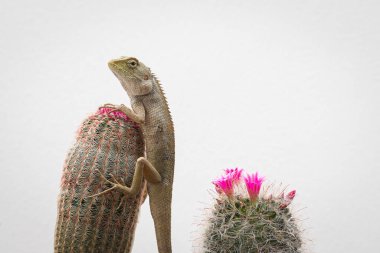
(254, 224)
(110, 143)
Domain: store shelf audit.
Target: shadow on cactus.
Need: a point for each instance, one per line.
(246, 220)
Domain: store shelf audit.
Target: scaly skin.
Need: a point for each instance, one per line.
(151, 110)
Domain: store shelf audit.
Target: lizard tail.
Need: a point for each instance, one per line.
(160, 198)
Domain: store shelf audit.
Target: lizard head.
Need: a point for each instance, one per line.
(134, 76)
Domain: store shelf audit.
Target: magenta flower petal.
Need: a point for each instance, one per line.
(234, 173)
(291, 195)
(288, 199)
(225, 184)
(253, 183)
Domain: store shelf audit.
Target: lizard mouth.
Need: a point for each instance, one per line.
(113, 66)
(119, 71)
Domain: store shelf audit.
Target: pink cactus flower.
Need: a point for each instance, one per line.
(253, 183)
(225, 184)
(291, 195)
(217, 188)
(288, 199)
(235, 174)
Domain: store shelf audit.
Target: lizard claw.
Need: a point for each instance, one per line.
(122, 107)
(129, 112)
(126, 110)
(108, 105)
(118, 185)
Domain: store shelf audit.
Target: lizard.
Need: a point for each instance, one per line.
(149, 108)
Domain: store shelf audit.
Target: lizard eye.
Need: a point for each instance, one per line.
(132, 63)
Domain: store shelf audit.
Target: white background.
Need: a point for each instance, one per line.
(288, 88)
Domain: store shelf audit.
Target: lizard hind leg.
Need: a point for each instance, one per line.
(143, 168)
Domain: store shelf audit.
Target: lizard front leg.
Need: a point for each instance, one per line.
(136, 114)
(143, 168)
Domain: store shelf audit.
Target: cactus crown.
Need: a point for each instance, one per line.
(245, 221)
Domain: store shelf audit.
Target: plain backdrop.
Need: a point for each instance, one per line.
(287, 88)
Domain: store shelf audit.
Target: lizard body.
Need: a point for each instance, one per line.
(150, 109)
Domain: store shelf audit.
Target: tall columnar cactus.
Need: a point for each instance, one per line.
(245, 221)
(108, 143)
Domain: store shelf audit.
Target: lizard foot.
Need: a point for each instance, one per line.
(116, 184)
(129, 112)
(126, 110)
(108, 105)
(143, 169)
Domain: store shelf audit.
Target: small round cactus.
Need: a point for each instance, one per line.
(245, 221)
